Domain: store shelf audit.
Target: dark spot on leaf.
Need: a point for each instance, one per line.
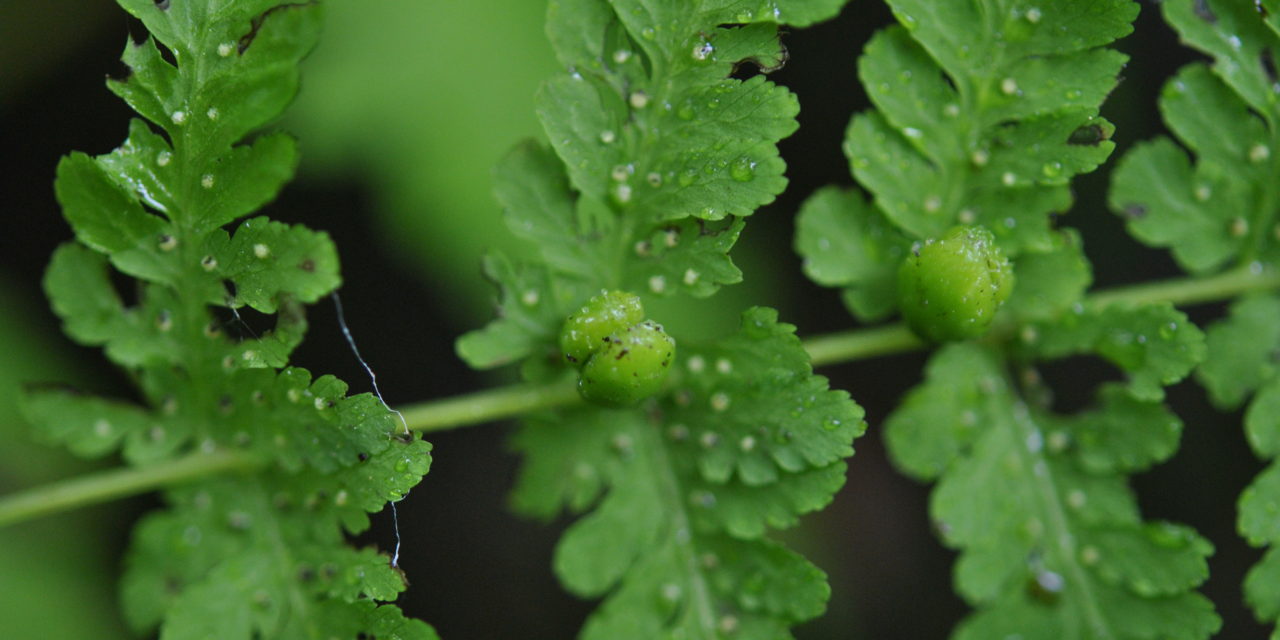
(622, 354)
(1204, 12)
(1089, 135)
(1135, 211)
(1262, 9)
(172, 585)
(225, 404)
(162, 5)
(362, 456)
(308, 265)
(306, 573)
(1268, 60)
(330, 571)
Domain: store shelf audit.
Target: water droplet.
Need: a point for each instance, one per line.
(728, 624)
(167, 242)
(178, 117)
(1076, 499)
(608, 136)
(743, 169)
(1090, 555)
(980, 157)
(648, 33)
(696, 364)
(951, 110)
(1051, 169)
(702, 50)
(212, 113)
(1058, 441)
(747, 444)
(164, 158)
(261, 251)
(1009, 86)
(1035, 442)
(1239, 227)
(206, 181)
(657, 284)
(529, 298)
(320, 404)
(687, 176)
(621, 56)
(1203, 192)
(1008, 179)
(719, 401)
(690, 277)
(1075, 94)
(1050, 581)
(671, 238)
(102, 428)
(932, 204)
(654, 179)
(622, 443)
(724, 366)
(639, 100)
(1234, 41)
(225, 49)
(678, 432)
(1033, 15)
(913, 133)
(966, 216)
(1259, 152)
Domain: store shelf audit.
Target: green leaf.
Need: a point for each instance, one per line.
(532, 307)
(89, 426)
(983, 119)
(104, 215)
(1235, 35)
(270, 261)
(1049, 283)
(1155, 344)
(261, 553)
(1202, 211)
(847, 243)
(748, 440)
(1124, 434)
(1239, 348)
(1039, 518)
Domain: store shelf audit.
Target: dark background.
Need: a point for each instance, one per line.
(480, 572)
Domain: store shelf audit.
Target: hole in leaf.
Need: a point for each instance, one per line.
(1073, 381)
(1268, 60)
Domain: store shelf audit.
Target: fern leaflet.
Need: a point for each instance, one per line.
(259, 553)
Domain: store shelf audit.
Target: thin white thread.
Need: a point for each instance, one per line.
(373, 379)
(395, 525)
(235, 312)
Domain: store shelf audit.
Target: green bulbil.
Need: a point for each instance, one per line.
(585, 332)
(950, 288)
(632, 367)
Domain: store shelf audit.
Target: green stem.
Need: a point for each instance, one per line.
(506, 402)
(858, 344)
(1189, 291)
(111, 484)
(489, 405)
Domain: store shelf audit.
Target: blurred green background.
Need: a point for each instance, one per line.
(404, 109)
